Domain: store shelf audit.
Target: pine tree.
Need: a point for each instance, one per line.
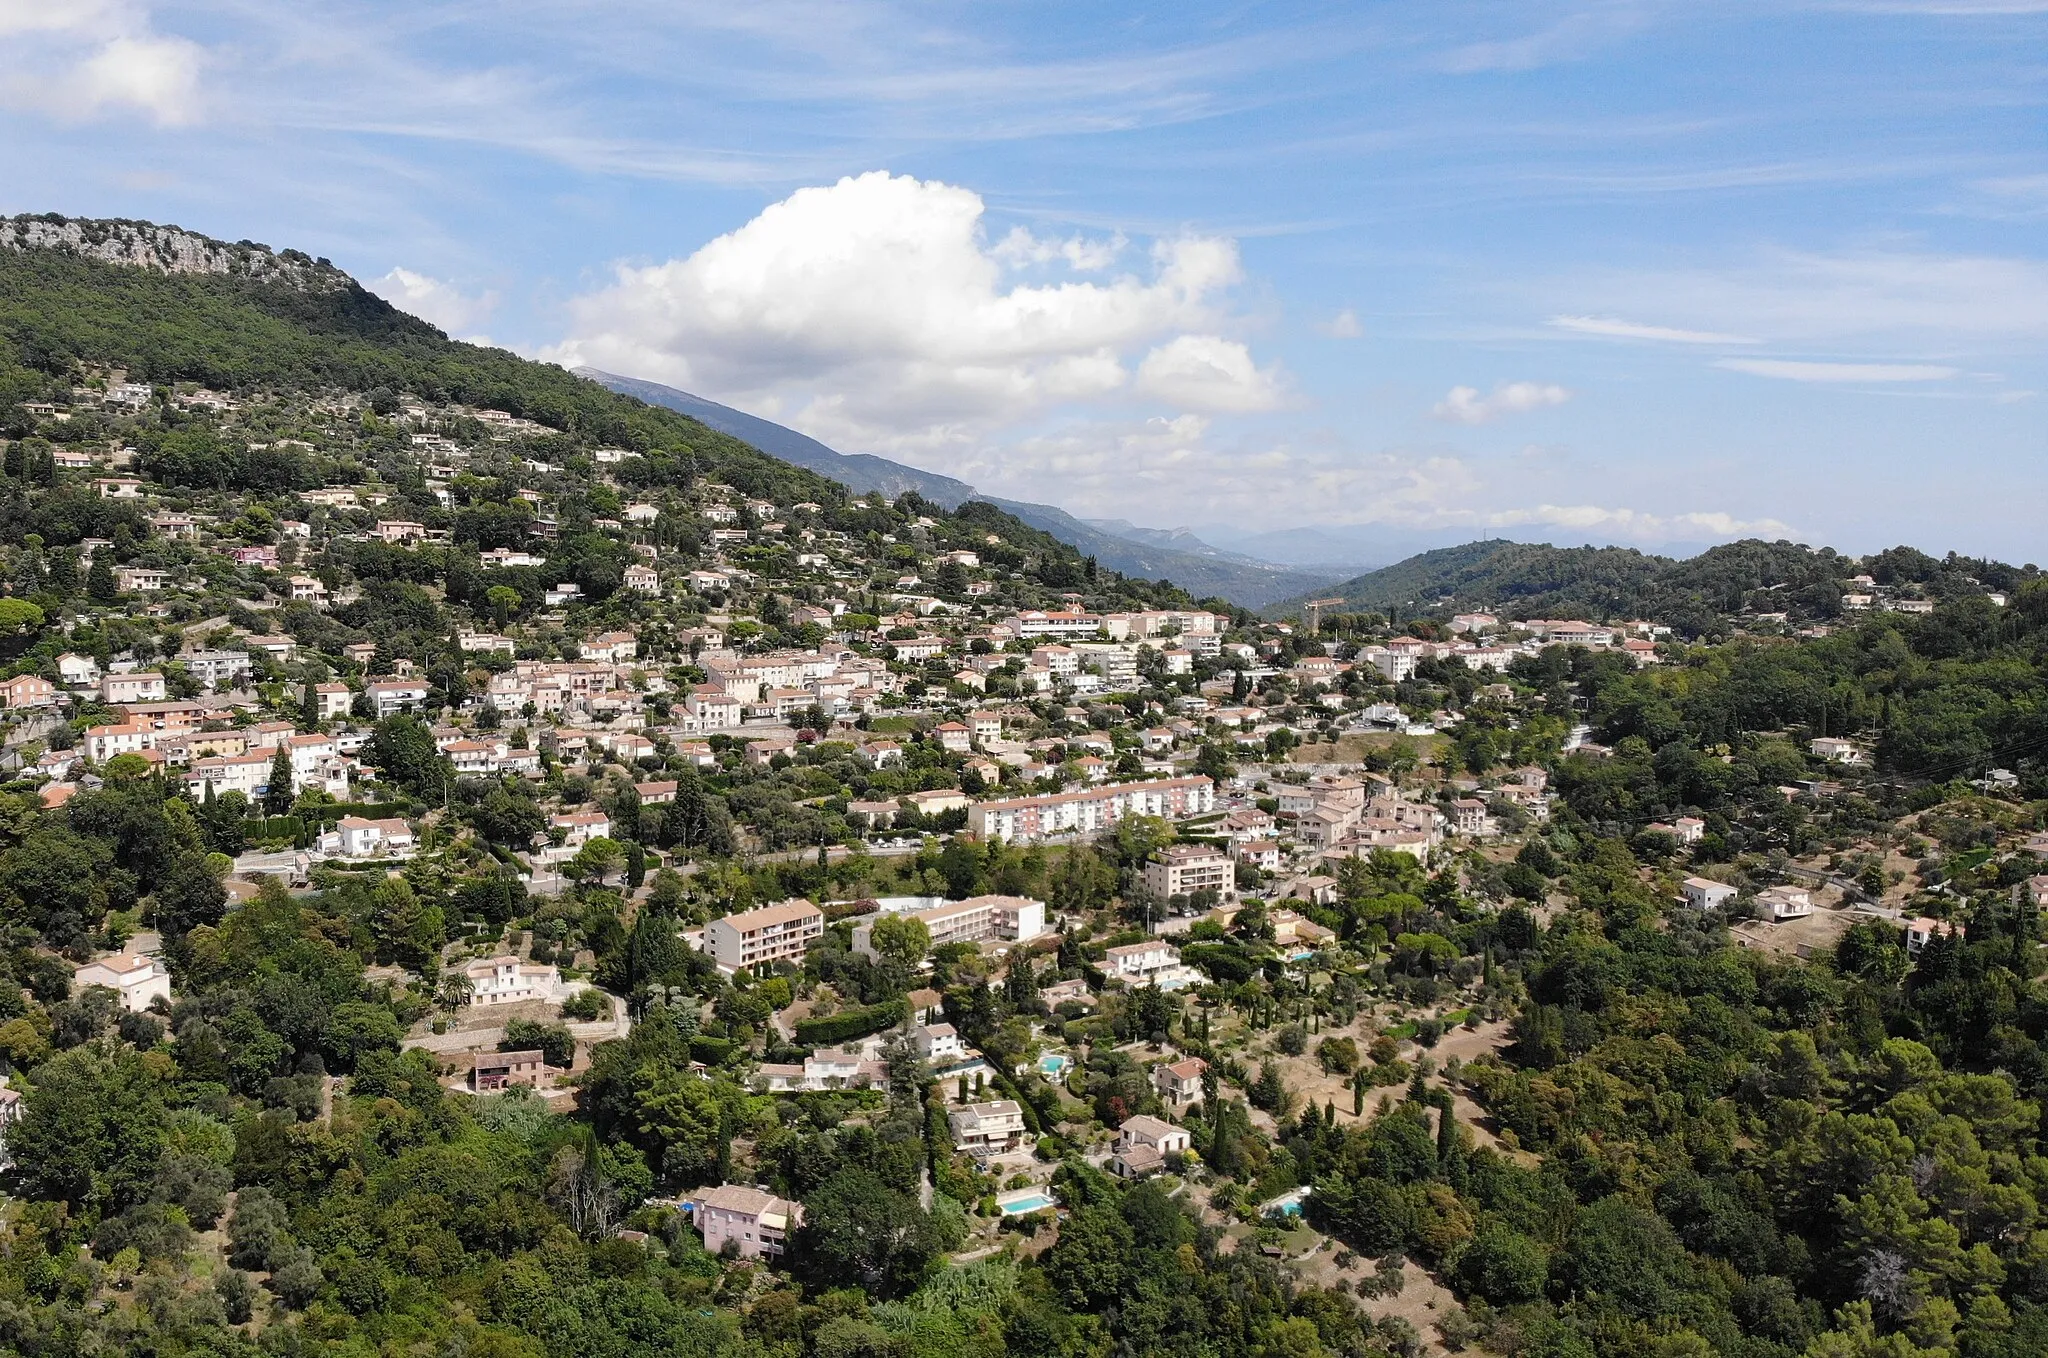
(309, 708)
(100, 584)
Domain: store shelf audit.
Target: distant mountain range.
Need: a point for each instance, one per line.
(1154, 554)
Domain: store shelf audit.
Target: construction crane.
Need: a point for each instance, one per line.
(1312, 613)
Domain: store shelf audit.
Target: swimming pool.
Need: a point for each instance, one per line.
(1025, 1201)
(1052, 1063)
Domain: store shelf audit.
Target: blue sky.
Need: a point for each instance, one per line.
(1654, 273)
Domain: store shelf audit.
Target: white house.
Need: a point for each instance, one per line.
(357, 837)
(937, 1041)
(1704, 894)
(987, 1128)
(392, 696)
(1785, 902)
(1139, 962)
(1143, 1143)
(136, 979)
(507, 980)
(580, 827)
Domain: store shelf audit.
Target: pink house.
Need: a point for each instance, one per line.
(757, 1222)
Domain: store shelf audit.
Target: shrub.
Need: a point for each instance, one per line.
(850, 1024)
(712, 1051)
(1337, 1055)
(586, 1006)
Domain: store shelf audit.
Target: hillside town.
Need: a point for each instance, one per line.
(794, 903)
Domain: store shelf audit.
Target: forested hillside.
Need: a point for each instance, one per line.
(1698, 594)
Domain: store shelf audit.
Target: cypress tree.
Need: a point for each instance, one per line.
(277, 797)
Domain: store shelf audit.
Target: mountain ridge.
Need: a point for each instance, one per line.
(1203, 570)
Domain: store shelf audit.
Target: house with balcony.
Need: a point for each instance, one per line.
(1181, 1081)
(752, 1222)
(508, 980)
(984, 1129)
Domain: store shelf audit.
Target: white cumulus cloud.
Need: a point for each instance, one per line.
(1021, 249)
(876, 312)
(72, 59)
(1464, 405)
(1207, 372)
(1794, 370)
(433, 300)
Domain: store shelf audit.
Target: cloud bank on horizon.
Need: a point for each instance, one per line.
(1566, 268)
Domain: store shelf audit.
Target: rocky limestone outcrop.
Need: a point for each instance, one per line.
(168, 249)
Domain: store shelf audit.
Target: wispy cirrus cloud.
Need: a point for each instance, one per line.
(1613, 327)
(1623, 522)
(1581, 29)
(1800, 370)
(1804, 296)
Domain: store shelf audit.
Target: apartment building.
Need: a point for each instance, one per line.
(28, 691)
(217, 669)
(139, 686)
(104, 742)
(978, 919)
(1184, 869)
(391, 696)
(773, 933)
(334, 700)
(1034, 623)
(1091, 809)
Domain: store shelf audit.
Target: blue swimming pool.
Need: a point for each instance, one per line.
(1030, 1202)
(1052, 1063)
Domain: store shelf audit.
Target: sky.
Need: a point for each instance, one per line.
(1628, 271)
